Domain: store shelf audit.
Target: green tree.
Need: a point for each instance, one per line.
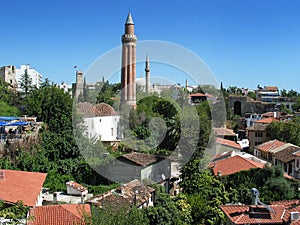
(25, 83)
(7, 110)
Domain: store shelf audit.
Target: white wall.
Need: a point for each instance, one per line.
(104, 128)
(34, 75)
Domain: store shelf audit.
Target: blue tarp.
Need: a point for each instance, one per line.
(2, 123)
(8, 118)
(19, 123)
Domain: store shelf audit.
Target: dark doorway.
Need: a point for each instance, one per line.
(237, 108)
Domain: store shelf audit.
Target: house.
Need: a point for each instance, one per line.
(268, 94)
(225, 133)
(22, 186)
(199, 97)
(297, 164)
(281, 212)
(74, 188)
(267, 149)
(257, 134)
(101, 120)
(233, 164)
(133, 193)
(140, 166)
(286, 159)
(65, 214)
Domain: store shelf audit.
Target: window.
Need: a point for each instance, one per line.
(297, 163)
(258, 134)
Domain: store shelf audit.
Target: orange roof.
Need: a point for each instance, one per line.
(67, 214)
(233, 165)
(228, 143)
(267, 120)
(224, 132)
(21, 185)
(269, 146)
(76, 186)
(256, 214)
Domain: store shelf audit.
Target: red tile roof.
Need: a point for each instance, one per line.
(67, 214)
(228, 143)
(21, 185)
(233, 165)
(269, 146)
(267, 120)
(241, 214)
(197, 95)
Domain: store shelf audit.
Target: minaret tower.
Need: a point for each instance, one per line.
(128, 73)
(147, 70)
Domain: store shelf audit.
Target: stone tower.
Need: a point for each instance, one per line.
(147, 70)
(79, 83)
(128, 72)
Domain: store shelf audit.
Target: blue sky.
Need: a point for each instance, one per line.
(244, 42)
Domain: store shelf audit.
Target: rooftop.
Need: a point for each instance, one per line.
(233, 165)
(267, 120)
(66, 214)
(20, 185)
(270, 146)
(228, 143)
(258, 214)
(224, 132)
(286, 154)
(130, 194)
(90, 110)
(242, 214)
(141, 159)
(76, 186)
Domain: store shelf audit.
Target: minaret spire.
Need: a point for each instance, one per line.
(128, 73)
(147, 70)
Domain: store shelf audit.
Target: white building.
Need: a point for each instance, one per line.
(103, 128)
(35, 76)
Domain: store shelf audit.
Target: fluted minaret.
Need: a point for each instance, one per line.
(128, 73)
(147, 70)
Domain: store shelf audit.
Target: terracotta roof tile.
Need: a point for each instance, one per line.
(267, 120)
(67, 214)
(21, 185)
(241, 214)
(224, 132)
(124, 196)
(102, 109)
(233, 165)
(76, 186)
(286, 154)
(270, 146)
(228, 143)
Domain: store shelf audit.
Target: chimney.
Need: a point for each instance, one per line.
(55, 197)
(294, 216)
